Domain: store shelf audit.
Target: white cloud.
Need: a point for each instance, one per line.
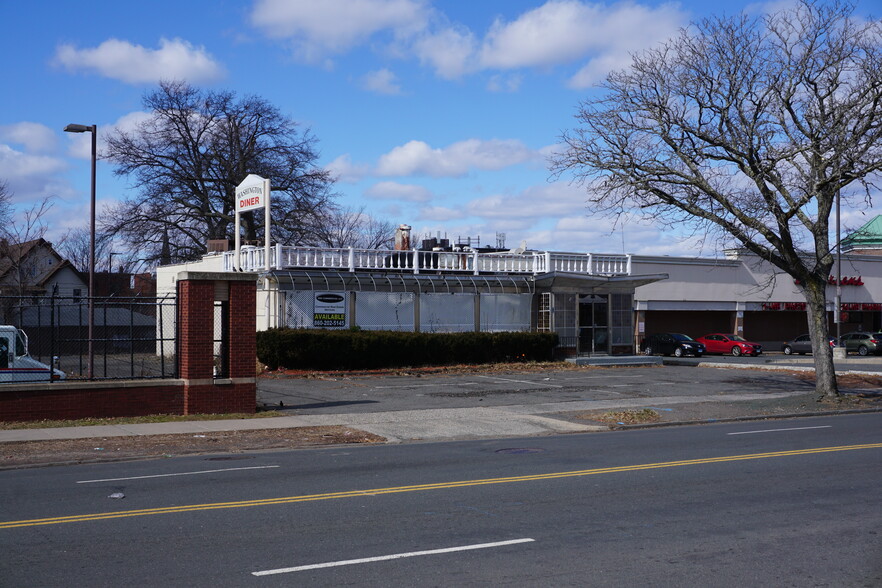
(418, 158)
(629, 29)
(80, 144)
(30, 178)
(596, 69)
(451, 51)
(396, 191)
(130, 122)
(175, 59)
(550, 200)
(563, 31)
(600, 36)
(381, 81)
(35, 138)
(319, 29)
(556, 32)
(16, 164)
(440, 214)
(344, 170)
(505, 83)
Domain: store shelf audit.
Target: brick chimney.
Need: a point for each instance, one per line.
(402, 238)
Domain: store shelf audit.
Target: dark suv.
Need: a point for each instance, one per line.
(677, 344)
(863, 343)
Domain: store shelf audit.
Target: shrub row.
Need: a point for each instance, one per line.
(323, 349)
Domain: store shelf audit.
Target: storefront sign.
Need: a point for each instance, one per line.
(329, 310)
(845, 281)
(852, 306)
(868, 306)
(783, 306)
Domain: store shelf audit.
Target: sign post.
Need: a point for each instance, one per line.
(253, 193)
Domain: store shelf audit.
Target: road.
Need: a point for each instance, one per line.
(780, 503)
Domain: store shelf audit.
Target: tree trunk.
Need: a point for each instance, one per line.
(815, 291)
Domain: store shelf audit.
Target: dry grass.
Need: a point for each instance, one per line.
(154, 418)
(622, 417)
(21, 453)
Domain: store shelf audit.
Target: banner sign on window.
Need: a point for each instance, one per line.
(329, 309)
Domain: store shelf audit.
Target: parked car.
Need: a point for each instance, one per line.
(677, 344)
(728, 343)
(803, 345)
(863, 343)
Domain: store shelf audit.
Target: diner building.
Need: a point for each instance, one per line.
(597, 303)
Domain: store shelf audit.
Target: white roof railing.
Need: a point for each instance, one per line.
(473, 262)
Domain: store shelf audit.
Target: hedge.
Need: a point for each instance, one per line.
(323, 349)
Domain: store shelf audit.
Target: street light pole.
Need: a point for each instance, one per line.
(72, 128)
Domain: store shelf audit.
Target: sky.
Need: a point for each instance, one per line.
(440, 115)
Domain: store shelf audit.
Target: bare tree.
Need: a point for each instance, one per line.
(5, 203)
(345, 227)
(16, 234)
(75, 246)
(186, 160)
(746, 128)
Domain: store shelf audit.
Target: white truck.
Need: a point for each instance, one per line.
(15, 363)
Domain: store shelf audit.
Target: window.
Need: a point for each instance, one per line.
(543, 323)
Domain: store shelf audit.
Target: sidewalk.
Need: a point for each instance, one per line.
(406, 425)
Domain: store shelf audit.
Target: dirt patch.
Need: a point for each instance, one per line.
(849, 382)
(623, 417)
(21, 453)
(802, 404)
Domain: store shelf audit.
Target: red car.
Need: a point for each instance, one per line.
(728, 343)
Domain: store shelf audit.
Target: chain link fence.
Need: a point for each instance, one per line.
(132, 338)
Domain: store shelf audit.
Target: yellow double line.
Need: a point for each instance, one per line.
(423, 487)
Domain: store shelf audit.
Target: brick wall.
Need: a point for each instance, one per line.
(79, 400)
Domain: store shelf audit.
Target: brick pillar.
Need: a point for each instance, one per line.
(196, 328)
(243, 330)
(203, 393)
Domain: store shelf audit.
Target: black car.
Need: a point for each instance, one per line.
(676, 344)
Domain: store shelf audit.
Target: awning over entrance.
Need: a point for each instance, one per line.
(581, 283)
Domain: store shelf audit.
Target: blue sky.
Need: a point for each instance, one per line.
(435, 114)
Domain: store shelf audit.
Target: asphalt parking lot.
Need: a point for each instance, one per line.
(379, 393)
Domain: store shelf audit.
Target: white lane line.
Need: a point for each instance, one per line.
(779, 430)
(177, 474)
(498, 379)
(349, 562)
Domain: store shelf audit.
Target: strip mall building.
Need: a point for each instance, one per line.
(600, 304)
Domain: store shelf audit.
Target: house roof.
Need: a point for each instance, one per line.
(868, 236)
(53, 271)
(17, 251)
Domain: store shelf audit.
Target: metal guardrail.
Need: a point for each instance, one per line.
(351, 259)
